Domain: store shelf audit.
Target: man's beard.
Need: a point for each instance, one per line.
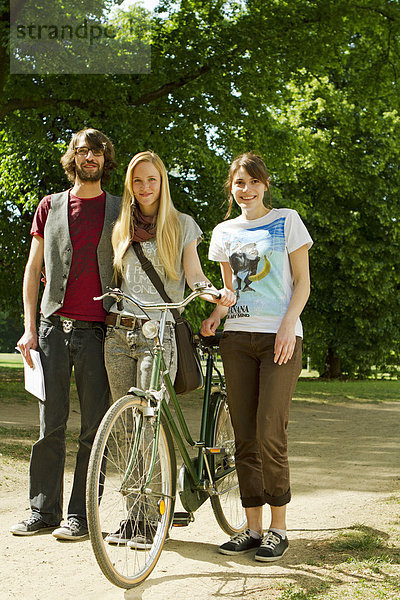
(85, 175)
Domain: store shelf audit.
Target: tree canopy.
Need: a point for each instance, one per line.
(309, 84)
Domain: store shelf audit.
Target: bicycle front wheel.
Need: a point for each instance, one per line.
(226, 504)
(128, 520)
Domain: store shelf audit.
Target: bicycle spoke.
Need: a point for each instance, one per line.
(226, 504)
(118, 500)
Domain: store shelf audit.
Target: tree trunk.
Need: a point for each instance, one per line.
(332, 365)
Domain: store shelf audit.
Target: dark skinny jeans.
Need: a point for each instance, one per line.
(82, 349)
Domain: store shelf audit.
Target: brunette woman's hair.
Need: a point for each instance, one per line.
(254, 165)
(95, 140)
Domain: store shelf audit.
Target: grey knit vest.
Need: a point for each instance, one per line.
(58, 251)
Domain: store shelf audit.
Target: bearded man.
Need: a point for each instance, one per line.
(71, 237)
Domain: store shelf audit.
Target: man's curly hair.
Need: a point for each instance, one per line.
(96, 140)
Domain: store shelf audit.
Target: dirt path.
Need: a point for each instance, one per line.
(345, 464)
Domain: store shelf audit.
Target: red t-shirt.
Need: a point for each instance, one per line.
(86, 219)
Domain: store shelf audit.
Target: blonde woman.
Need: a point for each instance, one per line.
(169, 240)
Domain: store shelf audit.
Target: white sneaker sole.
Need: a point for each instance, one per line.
(37, 532)
(115, 542)
(236, 552)
(271, 558)
(70, 538)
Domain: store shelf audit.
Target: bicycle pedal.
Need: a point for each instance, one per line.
(182, 519)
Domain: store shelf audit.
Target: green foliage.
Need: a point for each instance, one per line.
(310, 85)
(10, 331)
(350, 193)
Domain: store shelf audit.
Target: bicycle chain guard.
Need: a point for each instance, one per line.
(191, 499)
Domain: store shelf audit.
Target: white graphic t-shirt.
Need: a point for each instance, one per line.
(258, 253)
(136, 283)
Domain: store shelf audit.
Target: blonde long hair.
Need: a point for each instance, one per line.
(168, 229)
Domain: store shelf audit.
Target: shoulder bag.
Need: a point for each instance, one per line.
(189, 375)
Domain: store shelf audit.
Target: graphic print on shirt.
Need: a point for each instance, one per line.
(139, 282)
(256, 257)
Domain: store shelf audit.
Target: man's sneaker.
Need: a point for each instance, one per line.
(123, 534)
(74, 529)
(273, 547)
(241, 542)
(32, 526)
(143, 535)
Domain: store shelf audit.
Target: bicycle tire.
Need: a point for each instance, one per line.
(120, 455)
(226, 504)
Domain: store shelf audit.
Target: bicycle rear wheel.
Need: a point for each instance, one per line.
(117, 500)
(226, 505)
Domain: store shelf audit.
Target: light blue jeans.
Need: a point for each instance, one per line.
(129, 358)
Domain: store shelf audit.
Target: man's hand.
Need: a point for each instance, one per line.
(27, 343)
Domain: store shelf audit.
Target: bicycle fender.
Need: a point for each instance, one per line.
(134, 391)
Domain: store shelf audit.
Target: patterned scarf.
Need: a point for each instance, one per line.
(144, 226)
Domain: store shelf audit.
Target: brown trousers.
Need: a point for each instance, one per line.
(259, 395)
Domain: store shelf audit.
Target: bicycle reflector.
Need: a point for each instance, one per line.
(150, 329)
(161, 506)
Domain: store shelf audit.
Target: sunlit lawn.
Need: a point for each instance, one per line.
(309, 388)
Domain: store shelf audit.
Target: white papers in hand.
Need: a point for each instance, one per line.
(34, 378)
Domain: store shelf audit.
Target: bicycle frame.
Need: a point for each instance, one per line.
(132, 475)
(155, 387)
(155, 396)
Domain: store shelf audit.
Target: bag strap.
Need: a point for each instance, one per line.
(154, 277)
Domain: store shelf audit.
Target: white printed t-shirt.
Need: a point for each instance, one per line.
(136, 283)
(258, 253)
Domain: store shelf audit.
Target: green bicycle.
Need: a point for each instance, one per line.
(132, 474)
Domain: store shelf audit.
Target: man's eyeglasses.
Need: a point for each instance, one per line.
(84, 151)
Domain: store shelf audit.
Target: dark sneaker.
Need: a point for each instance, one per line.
(273, 547)
(143, 536)
(241, 542)
(32, 526)
(74, 529)
(123, 534)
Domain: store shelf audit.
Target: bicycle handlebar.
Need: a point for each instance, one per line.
(118, 295)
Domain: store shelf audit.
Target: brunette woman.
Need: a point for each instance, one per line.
(263, 255)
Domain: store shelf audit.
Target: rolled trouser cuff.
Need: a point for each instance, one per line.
(253, 501)
(278, 500)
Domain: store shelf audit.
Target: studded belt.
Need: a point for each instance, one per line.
(123, 321)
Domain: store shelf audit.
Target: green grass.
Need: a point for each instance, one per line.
(16, 442)
(368, 390)
(294, 592)
(360, 563)
(389, 589)
(11, 361)
(359, 538)
(308, 389)
(12, 390)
